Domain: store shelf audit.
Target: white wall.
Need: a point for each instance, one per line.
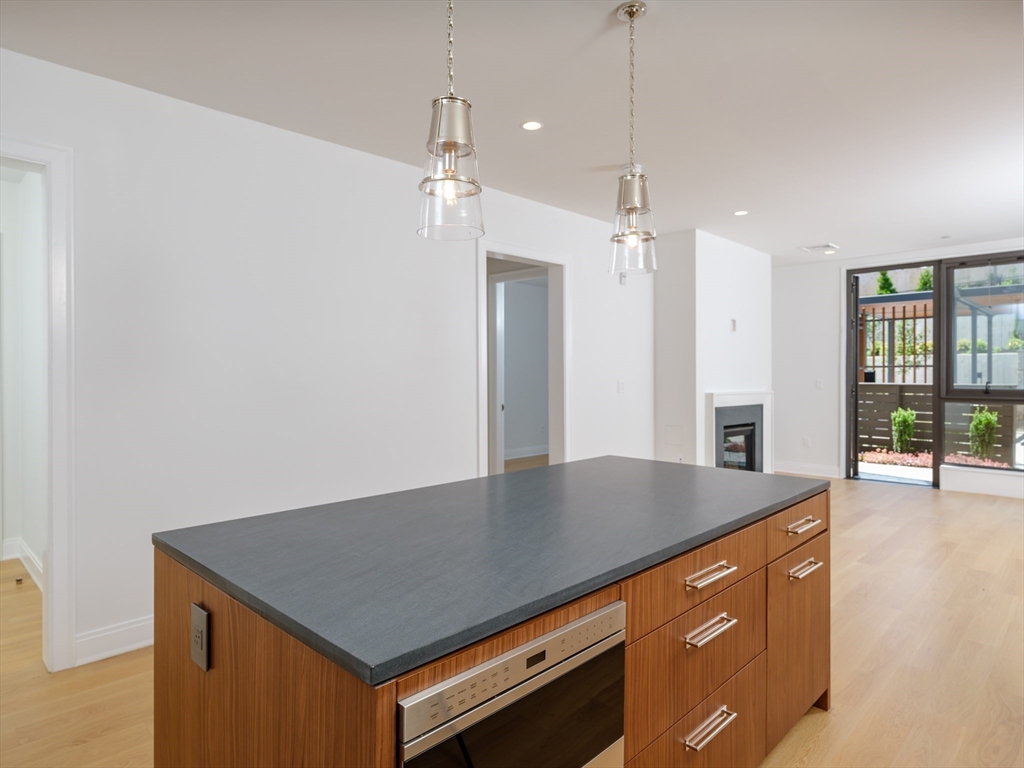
(808, 345)
(675, 328)
(526, 369)
(733, 283)
(806, 321)
(703, 283)
(255, 332)
(24, 349)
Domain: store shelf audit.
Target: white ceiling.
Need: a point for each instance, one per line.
(879, 125)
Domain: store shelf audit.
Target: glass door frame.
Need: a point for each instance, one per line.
(852, 361)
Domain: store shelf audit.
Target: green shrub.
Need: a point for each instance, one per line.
(983, 432)
(885, 285)
(902, 429)
(925, 281)
(964, 345)
(1014, 344)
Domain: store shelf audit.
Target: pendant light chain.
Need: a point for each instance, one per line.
(451, 48)
(632, 113)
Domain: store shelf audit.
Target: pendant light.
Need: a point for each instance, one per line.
(633, 241)
(450, 208)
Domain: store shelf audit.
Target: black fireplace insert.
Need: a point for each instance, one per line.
(738, 437)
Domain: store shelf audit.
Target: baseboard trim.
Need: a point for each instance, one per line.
(522, 453)
(991, 482)
(814, 470)
(113, 640)
(17, 549)
(11, 549)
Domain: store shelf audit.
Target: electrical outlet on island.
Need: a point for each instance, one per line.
(200, 637)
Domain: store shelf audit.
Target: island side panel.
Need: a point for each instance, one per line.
(267, 699)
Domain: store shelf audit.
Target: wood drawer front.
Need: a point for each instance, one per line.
(740, 744)
(798, 635)
(666, 677)
(781, 527)
(657, 596)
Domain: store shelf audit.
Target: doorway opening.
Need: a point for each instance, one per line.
(524, 357)
(892, 400)
(37, 382)
(24, 368)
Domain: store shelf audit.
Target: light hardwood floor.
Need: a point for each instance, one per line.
(927, 649)
(927, 632)
(528, 462)
(100, 714)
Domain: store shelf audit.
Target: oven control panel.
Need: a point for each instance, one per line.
(426, 710)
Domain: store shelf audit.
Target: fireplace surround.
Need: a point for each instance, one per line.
(761, 416)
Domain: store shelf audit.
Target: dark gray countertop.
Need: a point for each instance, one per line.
(384, 584)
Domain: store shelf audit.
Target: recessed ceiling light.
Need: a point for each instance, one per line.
(532, 125)
(828, 253)
(741, 213)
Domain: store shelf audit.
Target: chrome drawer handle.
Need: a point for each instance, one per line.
(710, 728)
(710, 575)
(802, 526)
(804, 570)
(705, 633)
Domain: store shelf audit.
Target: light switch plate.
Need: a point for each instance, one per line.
(199, 637)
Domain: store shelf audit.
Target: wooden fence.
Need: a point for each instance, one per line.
(876, 402)
(958, 436)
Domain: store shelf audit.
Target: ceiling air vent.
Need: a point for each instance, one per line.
(820, 248)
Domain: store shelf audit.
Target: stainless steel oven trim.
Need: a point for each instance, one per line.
(422, 712)
(462, 722)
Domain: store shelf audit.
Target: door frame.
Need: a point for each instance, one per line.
(59, 558)
(496, 362)
(558, 269)
(851, 276)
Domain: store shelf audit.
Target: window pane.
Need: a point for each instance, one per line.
(985, 435)
(988, 327)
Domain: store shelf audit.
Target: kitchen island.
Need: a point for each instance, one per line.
(321, 619)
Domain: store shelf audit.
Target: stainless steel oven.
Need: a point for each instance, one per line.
(555, 702)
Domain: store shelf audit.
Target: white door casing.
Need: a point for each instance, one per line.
(557, 268)
(59, 558)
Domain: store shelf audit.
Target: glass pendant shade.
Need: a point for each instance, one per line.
(451, 188)
(633, 241)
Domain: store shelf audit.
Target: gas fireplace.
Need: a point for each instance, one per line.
(738, 441)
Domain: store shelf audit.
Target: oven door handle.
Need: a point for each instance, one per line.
(462, 722)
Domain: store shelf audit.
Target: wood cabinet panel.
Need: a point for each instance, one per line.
(310, 712)
(666, 677)
(781, 529)
(798, 636)
(660, 594)
(740, 744)
(485, 650)
(267, 699)
(178, 729)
